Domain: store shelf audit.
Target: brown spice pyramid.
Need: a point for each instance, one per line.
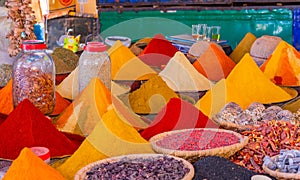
(243, 47)
(29, 166)
(26, 126)
(245, 84)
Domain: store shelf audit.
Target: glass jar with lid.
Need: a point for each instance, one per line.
(33, 76)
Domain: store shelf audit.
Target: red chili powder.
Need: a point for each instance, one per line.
(177, 114)
(27, 126)
(158, 52)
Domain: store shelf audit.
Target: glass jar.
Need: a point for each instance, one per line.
(94, 62)
(33, 76)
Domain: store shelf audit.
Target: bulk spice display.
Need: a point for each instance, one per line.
(267, 139)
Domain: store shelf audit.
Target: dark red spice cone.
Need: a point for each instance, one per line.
(177, 114)
(158, 52)
(27, 126)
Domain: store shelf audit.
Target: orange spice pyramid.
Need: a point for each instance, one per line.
(30, 166)
(214, 63)
(26, 126)
(110, 137)
(283, 66)
(6, 99)
(86, 110)
(126, 66)
(244, 85)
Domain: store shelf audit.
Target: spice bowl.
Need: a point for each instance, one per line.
(280, 175)
(192, 144)
(141, 166)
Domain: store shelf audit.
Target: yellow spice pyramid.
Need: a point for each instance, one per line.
(81, 116)
(111, 137)
(245, 84)
(126, 66)
(29, 166)
(180, 75)
(68, 88)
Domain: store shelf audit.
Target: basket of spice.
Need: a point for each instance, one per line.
(233, 117)
(283, 166)
(138, 166)
(192, 144)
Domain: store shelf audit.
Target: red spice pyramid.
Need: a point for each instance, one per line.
(214, 64)
(27, 126)
(158, 52)
(177, 114)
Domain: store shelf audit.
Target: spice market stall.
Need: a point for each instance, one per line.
(204, 114)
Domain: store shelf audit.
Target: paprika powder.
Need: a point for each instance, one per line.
(158, 52)
(27, 126)
(177, 114)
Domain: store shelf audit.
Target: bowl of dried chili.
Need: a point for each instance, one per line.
(192, 144)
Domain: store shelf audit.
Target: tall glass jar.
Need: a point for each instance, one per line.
(33, 76)
(94, 62)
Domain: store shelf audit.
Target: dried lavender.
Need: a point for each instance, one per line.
(139, 168)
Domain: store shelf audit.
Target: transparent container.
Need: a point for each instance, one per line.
(94, 62)
(33, 76)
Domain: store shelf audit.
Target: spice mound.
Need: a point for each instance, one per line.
(267, 139)
(65, 60)
(191, 144)
(205, 168)
(285, 165)
(255, 113)
(140, 166)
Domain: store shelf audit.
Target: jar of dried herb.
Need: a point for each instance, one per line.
(94, 62)
(33, 76)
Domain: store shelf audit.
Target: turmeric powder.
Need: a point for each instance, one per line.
(244, 85)
(151, 97)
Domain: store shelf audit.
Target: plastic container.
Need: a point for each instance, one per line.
(94, 62)
(42, 152)
(33, 76)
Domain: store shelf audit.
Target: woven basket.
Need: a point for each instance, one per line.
(193, 156)
(232, 126)
(280, 175)
(81, 174)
